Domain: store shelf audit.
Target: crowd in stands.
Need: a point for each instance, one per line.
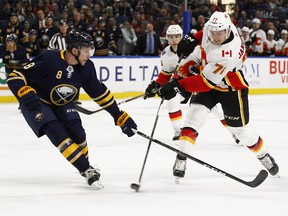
(138, 27)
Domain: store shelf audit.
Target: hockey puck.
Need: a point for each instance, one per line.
(135, 186)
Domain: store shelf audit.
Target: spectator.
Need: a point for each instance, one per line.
(24, 32)
(19, 12)
(39, 6)
(104, 43)
(78, 22)
(200, 23)
(149, 43)
(5, 11)
(40, 20)
(30, 16)
(127, 11)
(243, 20)
(56, 12)
(12, 27)
(32, 45)
(49, 28)
(97, 10)
(115, 30)
(129, 40)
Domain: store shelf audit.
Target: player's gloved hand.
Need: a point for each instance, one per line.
(151, 89)
(29, 98)
(253, 39)
(126, 123)
(170, 90)
(186, 45)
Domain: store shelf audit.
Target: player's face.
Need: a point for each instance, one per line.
(218, 37)
(10, 45)
(174, 40)
(85, 53)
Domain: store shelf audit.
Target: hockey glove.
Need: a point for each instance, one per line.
(186, 45)
(169, 90)
(126, 123)
(152, 89)
(29, 99)
(253, 39)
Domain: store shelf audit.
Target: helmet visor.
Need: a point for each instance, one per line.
(88, 50)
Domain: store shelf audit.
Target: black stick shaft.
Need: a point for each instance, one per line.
(89, 112)
(150, 141)
(260, 178)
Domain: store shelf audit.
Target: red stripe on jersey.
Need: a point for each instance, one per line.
(175, 115)
(257, 147)
(196, 83)
(236, 81)
(163, 78)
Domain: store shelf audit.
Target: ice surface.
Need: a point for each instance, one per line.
(35, 180)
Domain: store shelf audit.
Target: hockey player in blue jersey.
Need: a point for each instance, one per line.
(46, 88)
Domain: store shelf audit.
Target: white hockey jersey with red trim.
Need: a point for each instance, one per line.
(221, 65)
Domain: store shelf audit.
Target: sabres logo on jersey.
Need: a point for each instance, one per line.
(99, 41)
(63, 94)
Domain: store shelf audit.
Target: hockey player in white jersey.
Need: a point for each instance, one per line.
(169, 60)
(257, 37)
(222, 54)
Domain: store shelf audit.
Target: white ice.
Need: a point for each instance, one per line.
(36, 181)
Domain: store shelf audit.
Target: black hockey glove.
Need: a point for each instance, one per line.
(126, 123)
(253, 39)
(186, 45)
(169, 90)
(29, 99)
(151, 89)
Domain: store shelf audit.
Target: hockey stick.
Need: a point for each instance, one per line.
(89, 112)
(136, 186)
(260, 178)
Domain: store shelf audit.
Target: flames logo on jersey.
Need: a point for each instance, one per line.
(187, 69)
(63, 94)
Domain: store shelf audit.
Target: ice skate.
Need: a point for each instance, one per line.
(92, 176)
(269, 163)
(179, 169)
(176, 135)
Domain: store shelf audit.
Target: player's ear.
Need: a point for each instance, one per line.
(75, 51)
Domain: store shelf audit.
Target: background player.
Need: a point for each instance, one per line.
(13, 55)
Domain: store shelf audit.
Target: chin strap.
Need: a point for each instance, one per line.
(76, 57)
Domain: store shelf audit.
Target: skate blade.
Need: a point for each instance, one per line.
(276, 176)
(177, 180)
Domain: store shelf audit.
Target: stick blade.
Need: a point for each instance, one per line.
(135, 186)
(260, 178)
